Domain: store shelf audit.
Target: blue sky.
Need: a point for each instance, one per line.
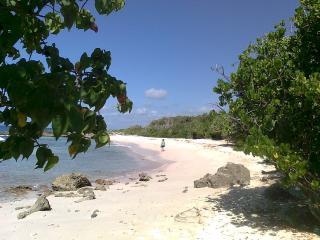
(163, 50)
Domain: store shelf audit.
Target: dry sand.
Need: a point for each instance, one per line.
(171, 209)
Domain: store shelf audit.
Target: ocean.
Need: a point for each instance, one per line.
(112, 161)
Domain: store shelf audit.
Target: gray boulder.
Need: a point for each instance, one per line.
(42, 204)
(84, 190)
(203, 182)
(229, 175)
(87, 194)
(70, 182)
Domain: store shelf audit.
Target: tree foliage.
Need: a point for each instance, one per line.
(274, 98)
(35, 94)
(209, 125)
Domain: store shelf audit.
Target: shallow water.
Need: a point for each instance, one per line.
(106, 162)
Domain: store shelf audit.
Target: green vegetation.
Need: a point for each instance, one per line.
(213, 125)
(274, 100)
(35, 94)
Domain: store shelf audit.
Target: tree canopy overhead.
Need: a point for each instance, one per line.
(274, 99)
(35, 94)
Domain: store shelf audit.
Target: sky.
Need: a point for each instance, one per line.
(164, 50)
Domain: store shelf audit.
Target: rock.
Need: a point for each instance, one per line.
(185, 190)
(42, 204)
(144, 177)
(47, 193)
(19, 190)
(229, 175)
(94, 214)
(105, 182)
(84, 190)
(42, 190)
(87, 194)
(19, 208)
(161, 175)
(203, 182)
(163, 179)
(67, 195)
(70, 182)
(101, 188)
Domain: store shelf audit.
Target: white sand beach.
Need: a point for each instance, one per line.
(170, 209)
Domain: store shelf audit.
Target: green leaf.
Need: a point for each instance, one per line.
(26, 148)
(52, 161)
(76, 119)
(102, 139)
(107, 6)
(59, 125)
(85, 61)
(54, 22)
(69, 13)
(102, 6)
(85, 20)
(42, 155)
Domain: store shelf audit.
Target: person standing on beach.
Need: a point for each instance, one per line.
(163, 144)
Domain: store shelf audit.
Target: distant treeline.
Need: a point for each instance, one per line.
(212, 125)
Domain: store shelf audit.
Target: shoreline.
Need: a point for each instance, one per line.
(172, 209)
(145, 156)
(139, 153)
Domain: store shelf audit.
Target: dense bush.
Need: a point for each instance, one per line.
(274, 99)
(212, 125)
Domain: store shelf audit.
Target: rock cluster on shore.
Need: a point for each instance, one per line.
(229, 175)
(19, 190)
(70, 182)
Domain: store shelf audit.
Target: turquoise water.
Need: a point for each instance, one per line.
(106, 162)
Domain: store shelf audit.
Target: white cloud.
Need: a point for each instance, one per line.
(155, 93)
(141, 110)
(146, 111)
(154, 112)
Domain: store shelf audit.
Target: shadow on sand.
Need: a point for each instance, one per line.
(252, 208)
